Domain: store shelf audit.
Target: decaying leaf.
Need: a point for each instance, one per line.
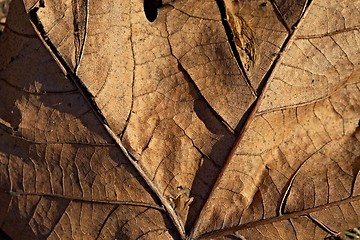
(180, 119)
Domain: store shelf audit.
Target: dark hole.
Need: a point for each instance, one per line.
(263, 4)
(3, 235)
(151, 9)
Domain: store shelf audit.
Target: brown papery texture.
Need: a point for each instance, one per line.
(214, 120)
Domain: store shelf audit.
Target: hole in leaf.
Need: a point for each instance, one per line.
(151, 9)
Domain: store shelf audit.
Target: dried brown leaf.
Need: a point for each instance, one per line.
(219, 119)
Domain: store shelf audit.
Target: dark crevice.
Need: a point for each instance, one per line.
(230, 36)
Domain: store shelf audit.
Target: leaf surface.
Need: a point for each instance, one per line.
(219, 119)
